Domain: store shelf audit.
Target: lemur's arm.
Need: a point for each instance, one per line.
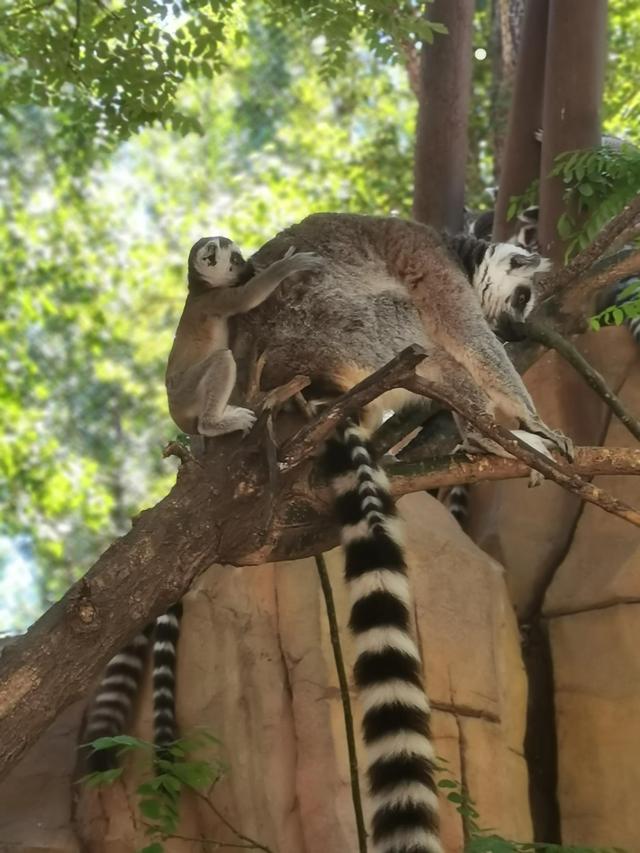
(226, 301)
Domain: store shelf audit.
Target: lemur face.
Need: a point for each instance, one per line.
(214, 262)
(505, 281)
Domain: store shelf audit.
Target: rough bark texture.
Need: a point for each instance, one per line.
(574, 79)
(441, 135)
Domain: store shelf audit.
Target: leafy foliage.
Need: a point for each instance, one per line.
(598, 183)
(159, 794)
(109, 68)
(625, 307)
(485, 840)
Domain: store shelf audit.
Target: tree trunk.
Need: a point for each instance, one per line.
(521, 162)
(441, 134)
(574, 79)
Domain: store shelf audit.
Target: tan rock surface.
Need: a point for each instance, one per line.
(597, 673)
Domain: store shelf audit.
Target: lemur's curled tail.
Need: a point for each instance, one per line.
(165, 643)
(400, 758)
(111, 707)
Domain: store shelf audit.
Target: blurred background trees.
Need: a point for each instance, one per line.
(131, 129)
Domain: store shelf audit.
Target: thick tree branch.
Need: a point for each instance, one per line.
(300, 446)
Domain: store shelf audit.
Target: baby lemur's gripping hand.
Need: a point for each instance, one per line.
(291, 263)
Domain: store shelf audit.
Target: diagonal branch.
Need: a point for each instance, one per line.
(549, 337)
(393, 375)
(502, 436)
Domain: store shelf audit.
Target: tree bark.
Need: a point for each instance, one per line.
(574, 80)
(443, 109)
(521, 160)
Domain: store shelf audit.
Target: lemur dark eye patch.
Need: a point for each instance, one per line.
(236, 258)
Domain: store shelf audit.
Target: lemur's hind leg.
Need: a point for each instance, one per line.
(455, 322)
(216, 417)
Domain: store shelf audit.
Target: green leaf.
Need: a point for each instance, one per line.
(156, 847)
(151, 809)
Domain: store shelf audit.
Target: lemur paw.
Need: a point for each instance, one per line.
(236, 419)
(552, 438)
(303, 261)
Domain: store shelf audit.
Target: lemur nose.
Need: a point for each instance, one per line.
(521, 297)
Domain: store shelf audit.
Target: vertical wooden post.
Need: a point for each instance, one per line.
(441, 133)
(521, 158)
(574, 80)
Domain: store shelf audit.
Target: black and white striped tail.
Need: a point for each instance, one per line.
(456, 500)
(113, 702)
(387, 672)
(165, 642)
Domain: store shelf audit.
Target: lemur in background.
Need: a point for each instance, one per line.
(385, 284)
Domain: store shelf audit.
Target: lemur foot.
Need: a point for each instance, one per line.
(554, 437)
(235, 418)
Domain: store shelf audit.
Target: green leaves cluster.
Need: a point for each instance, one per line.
(485, 840)
(625, 307)
(107, 68)
(598, 183)
(159, 795)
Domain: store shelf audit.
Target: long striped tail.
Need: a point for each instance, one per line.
(387, 672)
(456, 500)
(165, 643)
(113, 702)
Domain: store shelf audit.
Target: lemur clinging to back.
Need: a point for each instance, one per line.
(201, 371)
(385, 285)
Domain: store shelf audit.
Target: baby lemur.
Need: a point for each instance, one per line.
(201, 371)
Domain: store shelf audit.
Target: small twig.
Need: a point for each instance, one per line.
(393, 375)
(346, 701)
(438, 471)
(250, 841)
(545, 334)
(253, 380)
(502, 436)
(278, 396)
(174, 448)
(557, 280)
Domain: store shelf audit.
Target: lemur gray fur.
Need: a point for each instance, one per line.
(339, 325)
(201, 371)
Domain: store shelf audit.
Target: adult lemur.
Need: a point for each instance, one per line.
(386, 284)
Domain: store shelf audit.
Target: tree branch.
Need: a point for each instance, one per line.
(301, 445)
(506, 440)
(549, 337)
(436, 471)
(334, 632)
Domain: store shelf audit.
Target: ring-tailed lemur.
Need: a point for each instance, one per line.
(339, 325)
(201, 371)
(114, 699)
